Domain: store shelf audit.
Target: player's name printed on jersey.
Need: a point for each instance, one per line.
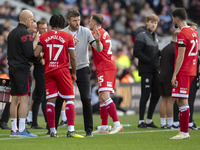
(54, 37)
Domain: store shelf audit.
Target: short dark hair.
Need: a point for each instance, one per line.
(73, 13)
(57, 20)
(180, 13)
(98, 18)
(42, 21)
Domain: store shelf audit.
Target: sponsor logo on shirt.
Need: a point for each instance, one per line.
(109, 84)
(26, 37)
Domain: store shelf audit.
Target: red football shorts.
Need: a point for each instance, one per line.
(183, 87)
(59, 82)
(106, 80)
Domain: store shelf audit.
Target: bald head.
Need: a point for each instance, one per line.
(26, 18)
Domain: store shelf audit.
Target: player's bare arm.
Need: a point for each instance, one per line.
(37, 51)
(179, 61)
(73, 63)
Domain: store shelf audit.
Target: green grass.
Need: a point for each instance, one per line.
(130, 138)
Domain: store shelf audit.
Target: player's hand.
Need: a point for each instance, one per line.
(96, 34)
(37, 36)
(42, 58)
(75, 40)
(173, 81)
(43, 61)
(74, 77)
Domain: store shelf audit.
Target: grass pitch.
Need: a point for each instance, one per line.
(131, 138)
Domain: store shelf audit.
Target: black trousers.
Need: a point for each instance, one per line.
(83, 83)
(6, 113)
(192, 95)
(149, 85)
(39, 93)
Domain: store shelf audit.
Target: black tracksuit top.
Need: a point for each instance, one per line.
(20, 50)
(146, 50)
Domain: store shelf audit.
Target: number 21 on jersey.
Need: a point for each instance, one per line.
(194, 49)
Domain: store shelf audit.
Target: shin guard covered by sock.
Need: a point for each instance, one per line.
(104, 114)
(110, 105)
(70, 113)
(184, 118)
(50, 112)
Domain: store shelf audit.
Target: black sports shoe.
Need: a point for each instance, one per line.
(89, 134)
(175, 127)
(53, 134)
(194, 127)
(63, 124)
(37, 127)
(163, 127)
(151, 125)
(74, 134)
(28, 123)
(48, 133)
(142, 125)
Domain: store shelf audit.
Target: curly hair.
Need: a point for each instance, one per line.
(57, 21)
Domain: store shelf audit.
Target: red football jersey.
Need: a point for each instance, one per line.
(189, 37)
(55, 46)
(103, 60)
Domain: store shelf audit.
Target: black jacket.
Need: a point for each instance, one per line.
(167, 62)
(20, 50)
(146, 50)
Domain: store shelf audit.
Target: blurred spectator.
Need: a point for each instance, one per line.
(120, 25)
(46, 6)
(146, 11)
(84, 8)
(59, 9)
(106, 15)
(194, 10)
(29, 2)
(165, 22)
(13, 14)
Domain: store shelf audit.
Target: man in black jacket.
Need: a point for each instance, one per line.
(20, 56)
(146, 50)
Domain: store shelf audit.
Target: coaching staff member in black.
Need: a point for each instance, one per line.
(146, 50)
(20, 55)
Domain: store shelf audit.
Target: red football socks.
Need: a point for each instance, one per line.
(70, 113)
(104, 114)
(110, 105)
(184, 119)
(50, 112)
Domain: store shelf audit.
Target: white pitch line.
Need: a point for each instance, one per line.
(133, 132)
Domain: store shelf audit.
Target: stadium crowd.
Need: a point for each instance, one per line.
(122, 19)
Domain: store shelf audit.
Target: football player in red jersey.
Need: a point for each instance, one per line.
(106, 74)
(56, 45)
(185, 68)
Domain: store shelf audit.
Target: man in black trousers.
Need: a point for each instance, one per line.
(146, 50)
(82, 37)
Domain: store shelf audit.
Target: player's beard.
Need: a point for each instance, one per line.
(74, 27)
(175, 25)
